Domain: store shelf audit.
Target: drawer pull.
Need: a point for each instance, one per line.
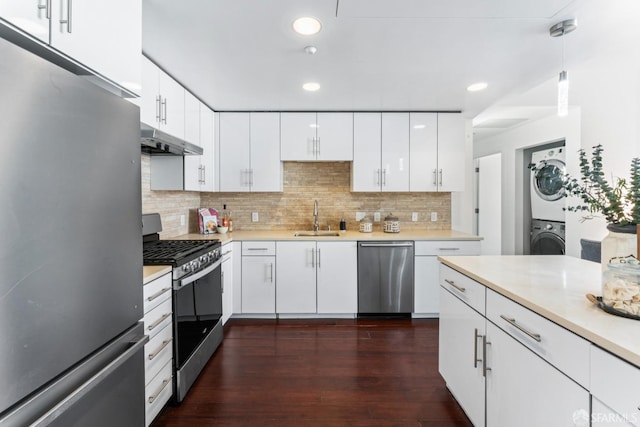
(512, 322)
(162, 346)
(485, 368)
(452, 283)
(475, 347)
(257, 249)
(157, 322)
(158, 294)
(448, 249)
(155, 395)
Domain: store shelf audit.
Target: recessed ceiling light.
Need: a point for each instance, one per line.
(477, 86)
(307, 25)
(311, 86)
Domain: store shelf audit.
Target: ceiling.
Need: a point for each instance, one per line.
(375, 54)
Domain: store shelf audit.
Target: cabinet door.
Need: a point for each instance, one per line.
(258, 284)
(460, 356)
(237, 277)
(337, 277)
(235, 137)
(192, 164)
(105, 36)
(227, 283)
(395, 151)
(207, 160)
(451, 152)
(524, 390)
(28, 15)
(266, 167)
(366, 172)
(172, 120)
(149, 100)
(298, 136)
(334, 136)
(427, 286)
(423, 149)
(296, 266)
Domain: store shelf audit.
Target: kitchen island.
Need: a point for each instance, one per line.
(506, 321)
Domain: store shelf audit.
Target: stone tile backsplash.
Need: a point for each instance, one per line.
(304, 182)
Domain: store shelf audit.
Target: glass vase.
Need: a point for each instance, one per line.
(621, 241)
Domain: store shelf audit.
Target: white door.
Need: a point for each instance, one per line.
(451, 152)
(337, 275)
(366, 172)
(423, 150)
(149, 100)
(489, 197)
(28, 15)
(235, 140)
(460, 344)
(395, 151)
(334, 136)
(298, 136)
(207, 160)
(105, 36)
(192, 164)
(296, 266)
(523, 390)
(266, 167)
(172, 106)
(258, 284)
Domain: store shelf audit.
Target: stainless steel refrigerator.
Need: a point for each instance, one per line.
(71, 347)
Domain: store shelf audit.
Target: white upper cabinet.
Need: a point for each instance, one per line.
(249, 152)
(451, 152)
(103, 36)
(381, 152)
(199, 170)
(423, 128)
(163, 101)
(316, 136)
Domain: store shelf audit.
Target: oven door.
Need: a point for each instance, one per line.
(197, 303)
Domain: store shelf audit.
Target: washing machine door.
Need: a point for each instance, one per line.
(547, 244)
(547, 181)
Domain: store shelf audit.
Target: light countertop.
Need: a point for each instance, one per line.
(555, 286)
(152, 272)
(348, 235)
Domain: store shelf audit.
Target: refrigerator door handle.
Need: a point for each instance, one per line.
(91, 383)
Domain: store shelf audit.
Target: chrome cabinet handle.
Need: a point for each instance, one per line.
(154, 396)
(47, 7)
(448, 249)
(475, 347)
(157, 352)
(313, 258)
(513, 322)
(318, 257)
(271, 277)
(69, 13)
(222, 282)
(257, 249)
(452, 283)
(485, 343)
(378, 176)
(440, 177)
(159, 108)
(435, 179)
(318, 153)
(155, 324)
(163, 116)
(158, 294)
(384, 177)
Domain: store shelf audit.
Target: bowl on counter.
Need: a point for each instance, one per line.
(222, 230)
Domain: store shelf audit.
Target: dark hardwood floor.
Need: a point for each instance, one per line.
(381, 372)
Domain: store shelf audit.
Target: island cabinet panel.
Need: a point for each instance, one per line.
(524, 390)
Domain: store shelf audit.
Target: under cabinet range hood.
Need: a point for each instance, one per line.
(156, 142)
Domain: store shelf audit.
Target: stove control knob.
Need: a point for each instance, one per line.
(186, 267)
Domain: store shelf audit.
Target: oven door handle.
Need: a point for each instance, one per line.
(198, 275)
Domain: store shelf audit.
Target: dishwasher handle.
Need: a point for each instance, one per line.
(387, 245)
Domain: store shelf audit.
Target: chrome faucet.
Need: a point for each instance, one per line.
(316, 226)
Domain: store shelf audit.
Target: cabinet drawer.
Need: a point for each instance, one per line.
(158, 392)
(157, 318)
(157, 352)
(447, 247)
(156, 291)
(259, 248)
(561, 348)
(466, 289)
(615, 383)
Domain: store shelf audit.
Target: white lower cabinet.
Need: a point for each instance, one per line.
(227, 281)
(460, 358)
(337, 277)
(524, 390)
(296, 265)
(602, 415)
(258, 277)
(158, 352)
(426, 271)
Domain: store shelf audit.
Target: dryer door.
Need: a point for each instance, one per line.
(547, 181)
(547, 244)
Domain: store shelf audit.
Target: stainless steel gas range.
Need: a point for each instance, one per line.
(197, 299)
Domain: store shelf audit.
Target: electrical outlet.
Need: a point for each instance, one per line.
(255, 217)
(414, 216)
(376, 217)
(360, 215)
(182, 220)
(434, 216)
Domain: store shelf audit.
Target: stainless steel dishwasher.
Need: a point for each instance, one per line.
(385, 277)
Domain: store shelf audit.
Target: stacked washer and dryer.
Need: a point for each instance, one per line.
(548, 202)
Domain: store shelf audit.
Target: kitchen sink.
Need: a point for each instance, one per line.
(323, 233)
